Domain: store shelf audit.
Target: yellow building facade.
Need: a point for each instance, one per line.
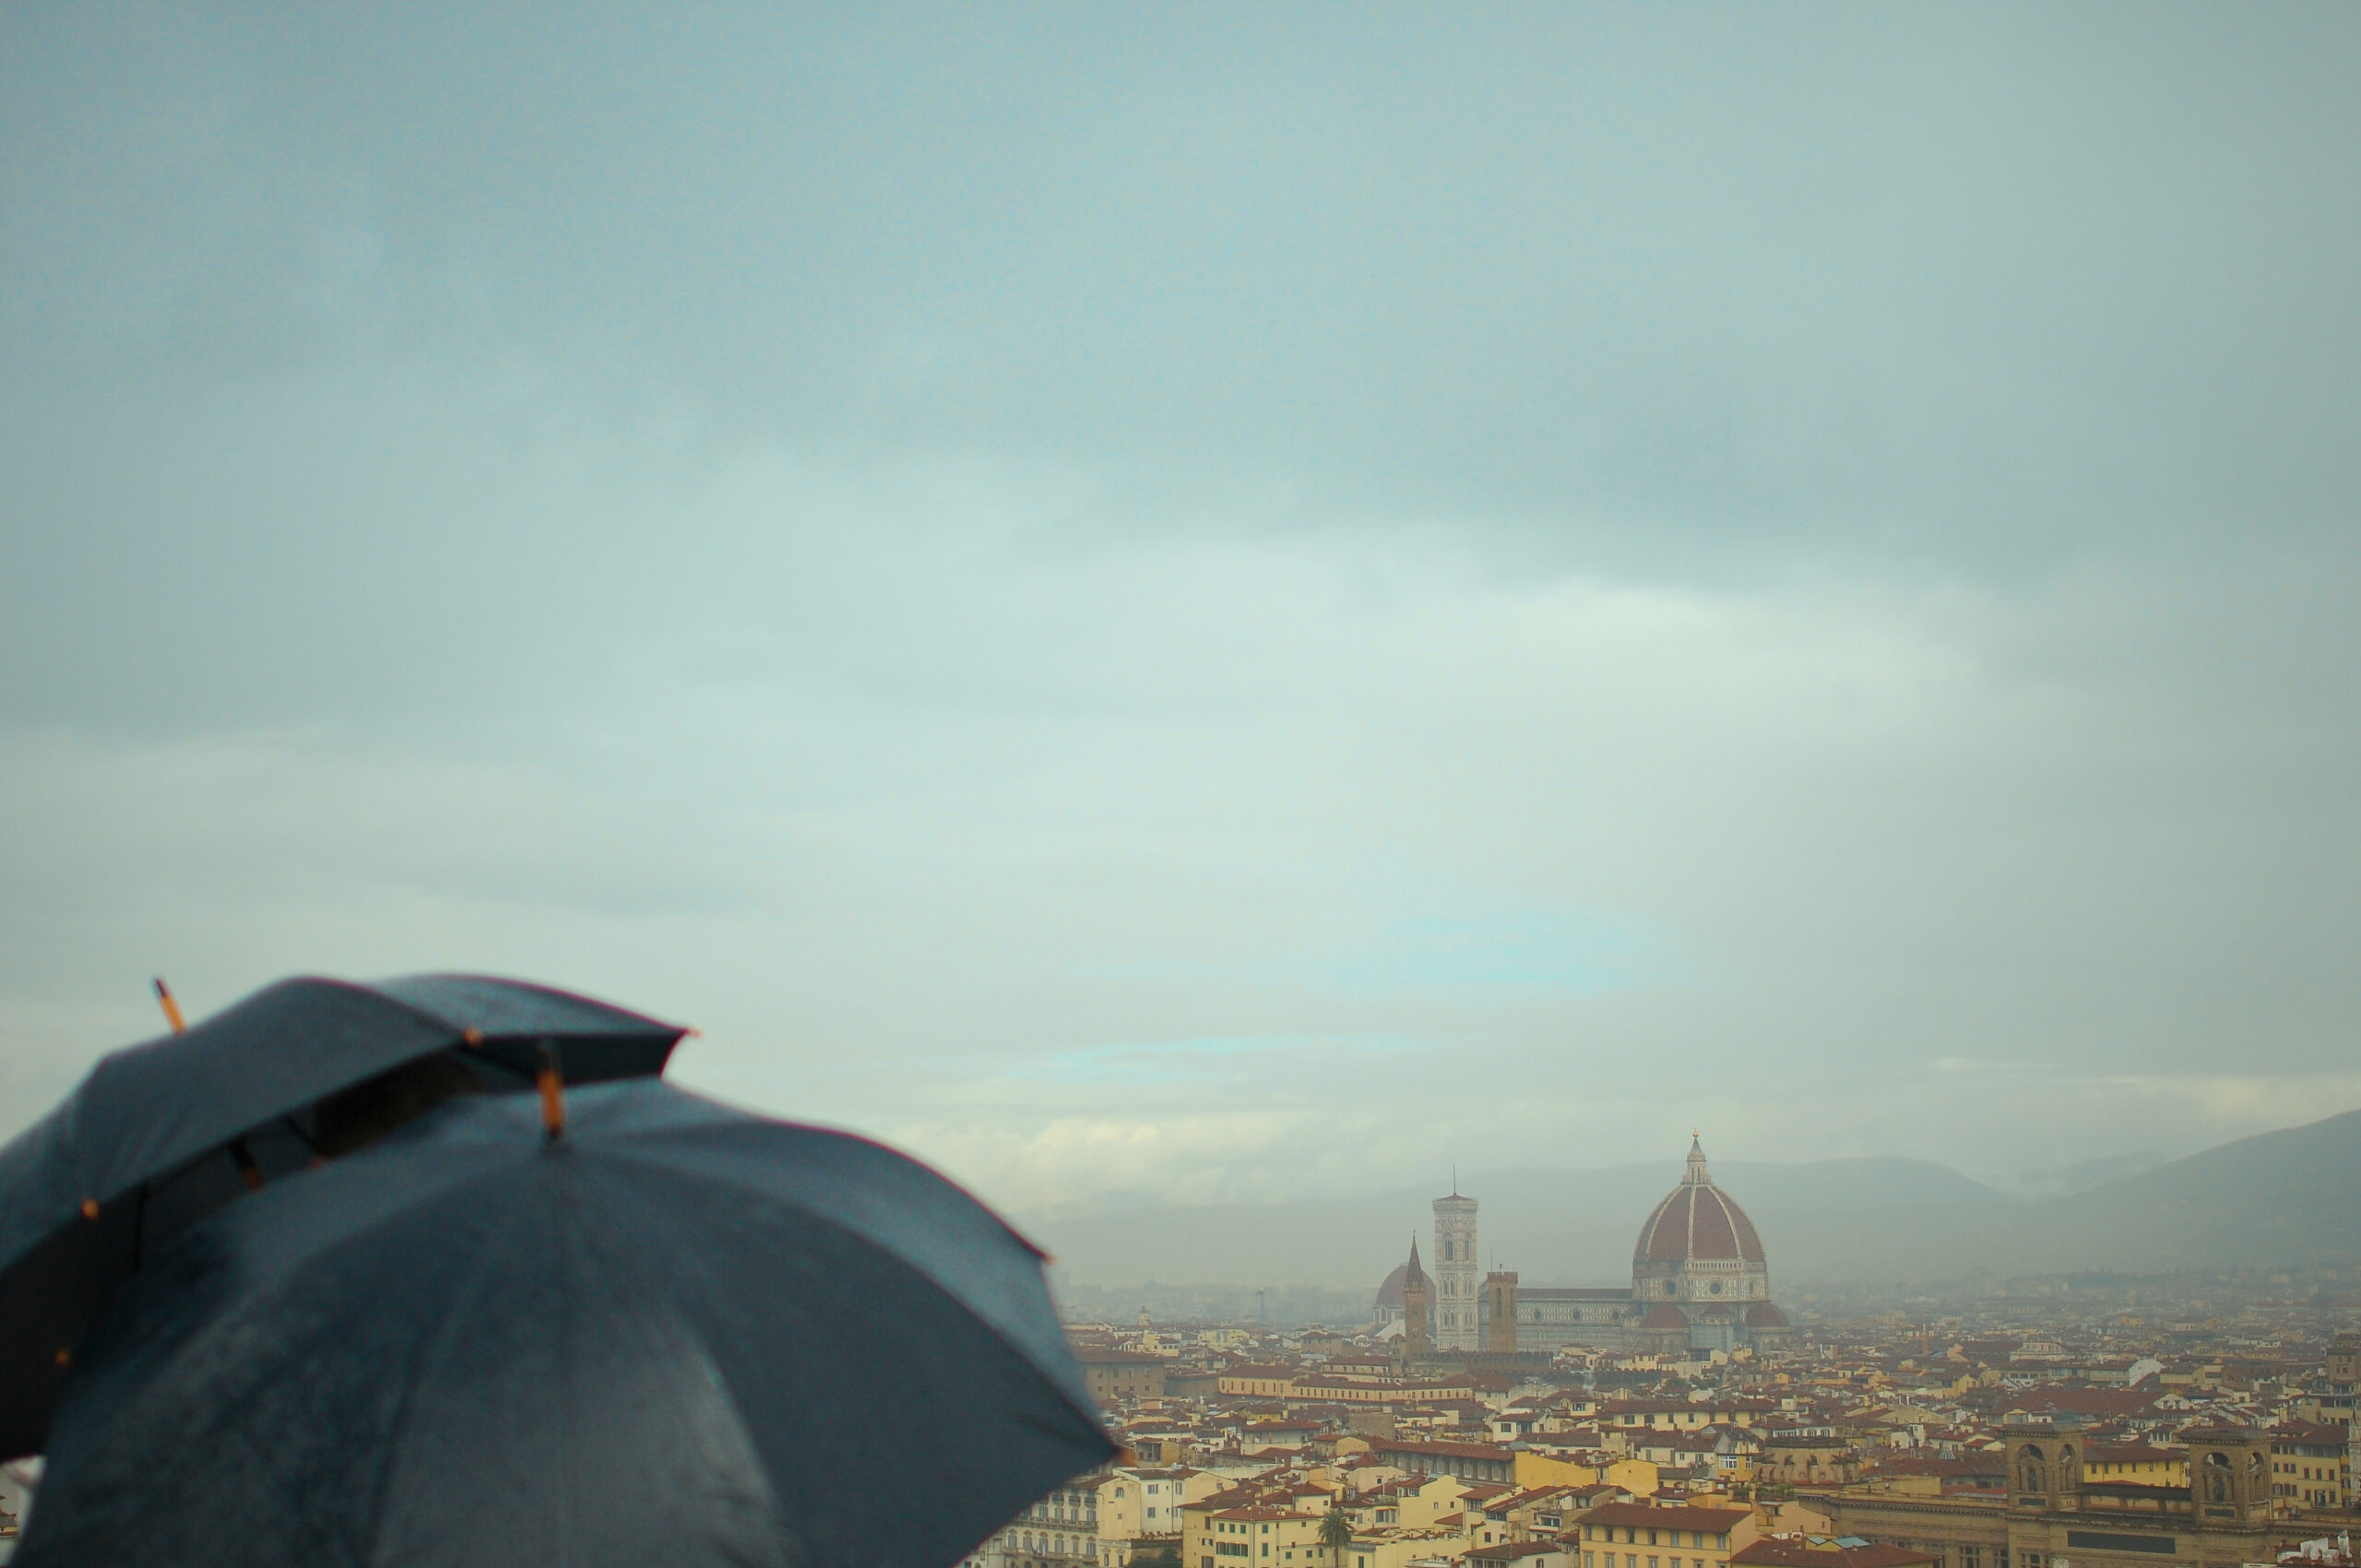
(1639, 1534)
(1251, 1538)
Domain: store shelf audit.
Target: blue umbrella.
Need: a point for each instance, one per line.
(669, 1332)
(161, 1134)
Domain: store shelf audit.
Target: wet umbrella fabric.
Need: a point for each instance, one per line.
(675, 1334)
(160, 1135)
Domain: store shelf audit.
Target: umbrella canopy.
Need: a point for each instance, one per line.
(675, 1333)
(160, 1135)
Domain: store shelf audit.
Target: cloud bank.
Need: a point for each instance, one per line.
(1207, 603)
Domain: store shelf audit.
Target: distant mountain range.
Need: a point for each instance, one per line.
(2276, 1198)
(2057, 1181)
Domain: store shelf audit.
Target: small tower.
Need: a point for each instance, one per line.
(1695, 1175)
(1499, 1312)
(2032, 1460)
(1418, 1311)
(2046, 1466)
(2344, 1367)
(2229, 1475)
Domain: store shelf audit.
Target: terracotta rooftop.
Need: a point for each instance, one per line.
(1689, 1516)
(1696, 1220)
(1801, 1551)
(1445, 1450)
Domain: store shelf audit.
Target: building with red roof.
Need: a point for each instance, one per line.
(1818, 1551)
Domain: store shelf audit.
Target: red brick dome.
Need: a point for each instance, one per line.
(1697, 1221)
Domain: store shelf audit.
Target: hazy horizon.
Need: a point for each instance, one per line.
(1211, 599)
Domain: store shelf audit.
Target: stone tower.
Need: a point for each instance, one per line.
(1418, 1311)
(2345, 1364)
(2229, 1475)
(1455, 1293)
(2045, 1467)
(1499, 1312)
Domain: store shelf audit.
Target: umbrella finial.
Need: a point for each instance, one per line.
(171, 1008)
(552, 1084)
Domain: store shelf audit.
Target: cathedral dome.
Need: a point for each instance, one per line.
(1697, 1222)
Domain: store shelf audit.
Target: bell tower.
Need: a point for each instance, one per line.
(1455, 1292)
(1418, 1311)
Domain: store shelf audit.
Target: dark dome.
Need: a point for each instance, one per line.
(1663, 1315)
(1697, 1221)
(1762, 1315)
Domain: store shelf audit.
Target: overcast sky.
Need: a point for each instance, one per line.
(1228, 602)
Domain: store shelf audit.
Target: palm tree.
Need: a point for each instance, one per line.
(1336, 1534)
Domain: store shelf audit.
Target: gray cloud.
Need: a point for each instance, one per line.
(1791, 568)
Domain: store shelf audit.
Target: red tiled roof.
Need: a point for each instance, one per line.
(1444, 1450)
(2316, 1433)
(1697, 1219)
(1692, 1517)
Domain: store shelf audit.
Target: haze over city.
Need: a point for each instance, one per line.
(1241, 605)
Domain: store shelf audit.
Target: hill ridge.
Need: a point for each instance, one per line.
(2272, 1197)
